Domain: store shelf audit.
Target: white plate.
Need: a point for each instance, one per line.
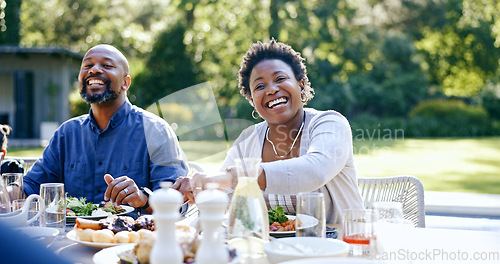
(128, 209)
(72, 236)
(110, 255)
(39, 233)
(307, 221)
(286, 249)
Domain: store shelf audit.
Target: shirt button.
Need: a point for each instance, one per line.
(100, 163)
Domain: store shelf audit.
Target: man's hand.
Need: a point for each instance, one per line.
(123, 190)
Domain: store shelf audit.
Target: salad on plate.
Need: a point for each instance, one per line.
(80, 207)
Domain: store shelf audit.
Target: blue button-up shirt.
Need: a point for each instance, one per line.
(135, 143)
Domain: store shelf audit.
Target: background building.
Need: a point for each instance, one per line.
(35, 84)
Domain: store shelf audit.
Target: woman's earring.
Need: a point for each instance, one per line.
(255, 114)
(303, 96)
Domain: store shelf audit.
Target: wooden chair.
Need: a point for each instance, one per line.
(407, 190)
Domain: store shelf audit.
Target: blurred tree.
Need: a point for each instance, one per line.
(80, 24)
(354, 66)
(463, 52)
(169, 68)
(379, 57)
(217, 35)
(9, 22)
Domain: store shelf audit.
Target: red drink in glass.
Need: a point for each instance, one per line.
(359, 239)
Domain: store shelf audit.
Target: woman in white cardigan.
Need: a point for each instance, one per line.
(302, 149)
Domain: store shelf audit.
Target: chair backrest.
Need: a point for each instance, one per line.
(407, 190)
(27, 162)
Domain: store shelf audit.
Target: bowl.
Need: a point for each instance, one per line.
(292, 248)
(44, 235)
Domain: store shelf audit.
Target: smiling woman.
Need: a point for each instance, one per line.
(301, 149)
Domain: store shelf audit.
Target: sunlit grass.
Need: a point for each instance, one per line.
(452, 165)
(25, 152)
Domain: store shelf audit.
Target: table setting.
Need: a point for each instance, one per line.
(238, 230)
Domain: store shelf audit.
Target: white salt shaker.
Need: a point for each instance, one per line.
(166, 202)
(212, 204)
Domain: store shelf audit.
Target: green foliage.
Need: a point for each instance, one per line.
(437, 118)
(375, 58)
(77, 106)
(490, 99)
(80, 24)
(169, 68)
(463, 52)
(387, 81)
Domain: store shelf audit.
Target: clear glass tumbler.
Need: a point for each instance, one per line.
(55, 206)
(310, 221)
(359, 231)
(14, 185)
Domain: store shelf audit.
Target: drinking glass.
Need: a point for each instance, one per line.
(391, 226)
(391, 212)
(14, 182)
(55, 206)
(359, 231)
(310, 221)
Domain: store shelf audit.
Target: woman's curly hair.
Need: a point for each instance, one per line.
(268, 51)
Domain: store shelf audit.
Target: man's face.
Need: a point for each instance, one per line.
(102, 75)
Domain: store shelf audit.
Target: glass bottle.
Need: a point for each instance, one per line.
(248, 227)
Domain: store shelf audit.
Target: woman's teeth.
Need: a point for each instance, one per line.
(276, 101)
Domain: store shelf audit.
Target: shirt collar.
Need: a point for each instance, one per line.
(115, 120)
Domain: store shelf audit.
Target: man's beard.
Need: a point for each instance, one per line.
(107, 95)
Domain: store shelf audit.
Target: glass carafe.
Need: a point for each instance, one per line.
(4, 199)
(248, 227)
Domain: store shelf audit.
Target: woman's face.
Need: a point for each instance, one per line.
(276, 93)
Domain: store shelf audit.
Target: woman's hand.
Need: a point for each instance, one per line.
(123, 190)
(190, 187)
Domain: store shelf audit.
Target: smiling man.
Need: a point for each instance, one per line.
(116, 149)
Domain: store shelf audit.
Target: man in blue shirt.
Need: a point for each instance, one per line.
(116, 139)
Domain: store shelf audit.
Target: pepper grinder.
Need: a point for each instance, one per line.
(165, 203)
(212, 204)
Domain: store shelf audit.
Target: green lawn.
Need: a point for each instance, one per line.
(452, 165)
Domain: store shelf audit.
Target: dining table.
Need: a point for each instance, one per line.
(412, 245)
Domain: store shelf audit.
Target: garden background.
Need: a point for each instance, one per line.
(418, 80)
